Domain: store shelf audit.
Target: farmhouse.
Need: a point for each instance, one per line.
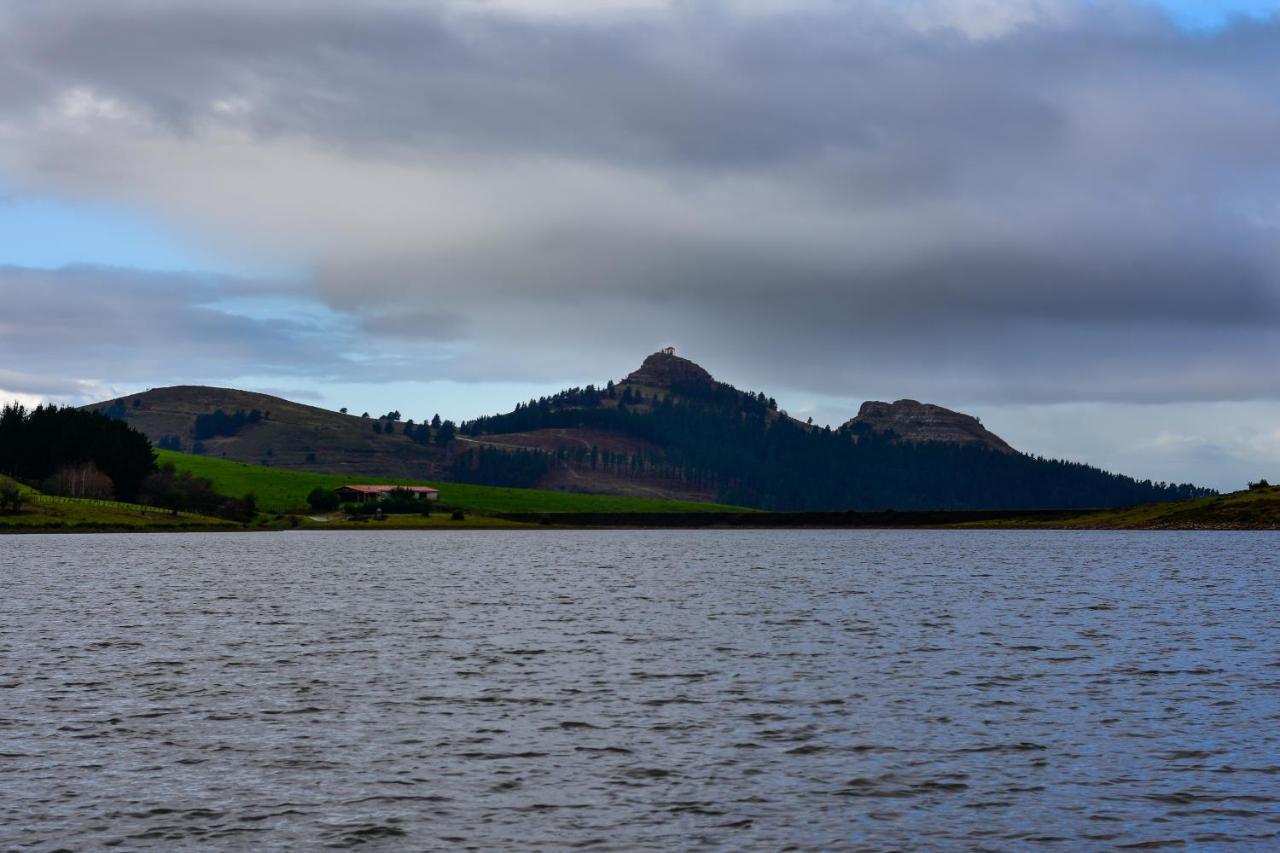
(366, 494)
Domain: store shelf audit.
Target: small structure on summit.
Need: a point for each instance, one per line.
(373, 493)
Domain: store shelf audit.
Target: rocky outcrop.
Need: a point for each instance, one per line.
(665, 369)
(920, 423)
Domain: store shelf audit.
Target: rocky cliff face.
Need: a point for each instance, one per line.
(920, 423)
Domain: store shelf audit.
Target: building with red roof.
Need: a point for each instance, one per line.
(368, 494)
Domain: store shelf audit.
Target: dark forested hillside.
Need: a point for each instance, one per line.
(737, 445)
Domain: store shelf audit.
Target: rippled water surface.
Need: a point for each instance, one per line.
(738, 689)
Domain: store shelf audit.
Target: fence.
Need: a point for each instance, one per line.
(120, 505)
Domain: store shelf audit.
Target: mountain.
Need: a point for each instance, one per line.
(671, 426)
(923, 423)
(273, 431)
(668, 430)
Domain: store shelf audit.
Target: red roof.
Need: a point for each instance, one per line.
(378, 490)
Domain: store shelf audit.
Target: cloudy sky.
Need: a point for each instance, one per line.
(1059, 215)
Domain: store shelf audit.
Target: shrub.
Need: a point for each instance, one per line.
(401, 500)
(11, 497)
(322, 500)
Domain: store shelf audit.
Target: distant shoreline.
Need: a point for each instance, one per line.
(1253, 509)
(1095, 520)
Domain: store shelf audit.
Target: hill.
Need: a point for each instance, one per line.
(1252, 509)
(245, 426)
(671, 425)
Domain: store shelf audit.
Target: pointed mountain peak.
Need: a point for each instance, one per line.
(665, 369)
(916, 422)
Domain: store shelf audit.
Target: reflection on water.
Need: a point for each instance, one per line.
(667, 689)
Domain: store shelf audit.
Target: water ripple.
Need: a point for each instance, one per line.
(643, 689)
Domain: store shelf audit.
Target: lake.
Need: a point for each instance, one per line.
(640, 689)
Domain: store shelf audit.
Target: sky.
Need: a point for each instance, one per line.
(1058, 215)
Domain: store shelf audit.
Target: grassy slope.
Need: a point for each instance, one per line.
(1255, 509)
(292, 435)
(71, 514)
(282, 490)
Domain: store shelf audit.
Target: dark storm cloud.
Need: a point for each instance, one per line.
(1079, 204)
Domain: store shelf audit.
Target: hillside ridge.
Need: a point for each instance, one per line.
(668, 430)
(283, 433)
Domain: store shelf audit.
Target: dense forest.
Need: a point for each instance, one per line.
(489, 466)
(737, 443)
(69, 445)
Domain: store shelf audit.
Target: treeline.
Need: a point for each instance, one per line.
(90, 448)
(753, 457)
(441, 433)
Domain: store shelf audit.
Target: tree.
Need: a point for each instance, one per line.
(80, 481)
(445, 434)
(343, 410)
(322, 500)
(11, 496)
(220, 423)
(435, 422)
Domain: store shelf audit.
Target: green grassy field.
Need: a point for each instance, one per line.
(281, 490)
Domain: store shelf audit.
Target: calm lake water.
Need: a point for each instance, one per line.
(737, 689)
